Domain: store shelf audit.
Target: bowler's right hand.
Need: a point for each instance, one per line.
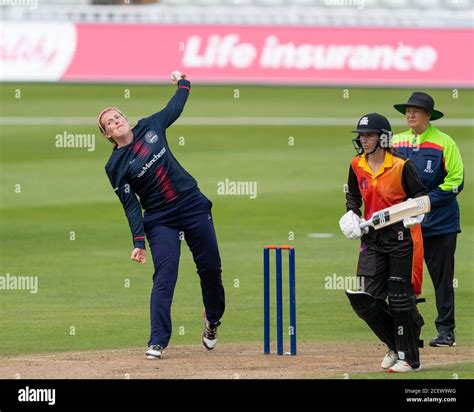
(176, 76)
(139, 255)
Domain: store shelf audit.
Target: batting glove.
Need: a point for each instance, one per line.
(409, 222)
(349, 224)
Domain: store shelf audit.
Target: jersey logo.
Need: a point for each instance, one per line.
(428, 168)
(363, 184)
(151, 137)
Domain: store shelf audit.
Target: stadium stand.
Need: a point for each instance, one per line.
(378, 13)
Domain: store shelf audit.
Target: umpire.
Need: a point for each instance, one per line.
(439, 164)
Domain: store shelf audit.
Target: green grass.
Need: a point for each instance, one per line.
(452, 371)
(82, 281)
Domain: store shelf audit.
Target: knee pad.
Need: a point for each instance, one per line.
(375, 313)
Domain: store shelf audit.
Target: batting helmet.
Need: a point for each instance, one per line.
(373, 123)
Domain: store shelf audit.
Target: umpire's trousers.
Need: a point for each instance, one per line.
(439, 258)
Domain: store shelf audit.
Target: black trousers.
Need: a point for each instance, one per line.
(439, 258)
(383, 254)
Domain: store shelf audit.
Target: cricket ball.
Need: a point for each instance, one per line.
(176, 75)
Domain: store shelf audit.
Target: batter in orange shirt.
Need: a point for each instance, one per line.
(390, 259)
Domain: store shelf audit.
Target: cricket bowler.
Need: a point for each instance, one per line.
(141, 164)
(391, 259)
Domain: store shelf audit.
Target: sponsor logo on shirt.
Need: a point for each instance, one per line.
(363, 184)
(151, 162)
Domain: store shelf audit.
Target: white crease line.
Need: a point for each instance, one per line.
(225, 121)
(320, 235)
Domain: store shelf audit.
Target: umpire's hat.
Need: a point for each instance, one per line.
(423, 100)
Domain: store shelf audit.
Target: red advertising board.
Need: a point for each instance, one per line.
(238, 54)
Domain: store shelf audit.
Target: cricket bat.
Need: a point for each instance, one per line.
(398, 212)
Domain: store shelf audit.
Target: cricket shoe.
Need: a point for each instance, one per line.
(389, 359)
(443, 339)
(154, 352)
(401, 366)
(209, 336)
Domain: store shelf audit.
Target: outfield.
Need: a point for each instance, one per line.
(91, 296)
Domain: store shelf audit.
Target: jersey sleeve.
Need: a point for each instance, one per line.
(353, 195)
(454, 180)
(166, 117)
(131, 206)
(411, 181)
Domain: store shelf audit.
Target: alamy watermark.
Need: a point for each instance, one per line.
(67, 140)
(13, 282)
(231, 188)
(336, 282)
(37, 395)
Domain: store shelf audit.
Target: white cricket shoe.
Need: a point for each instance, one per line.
(154, 352)
(389, 359)
(209, 336)
(401, 366)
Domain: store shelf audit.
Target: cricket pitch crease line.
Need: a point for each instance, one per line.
(223, 121)
(179, 349)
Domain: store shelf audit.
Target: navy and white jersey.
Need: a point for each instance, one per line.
(146, 167)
